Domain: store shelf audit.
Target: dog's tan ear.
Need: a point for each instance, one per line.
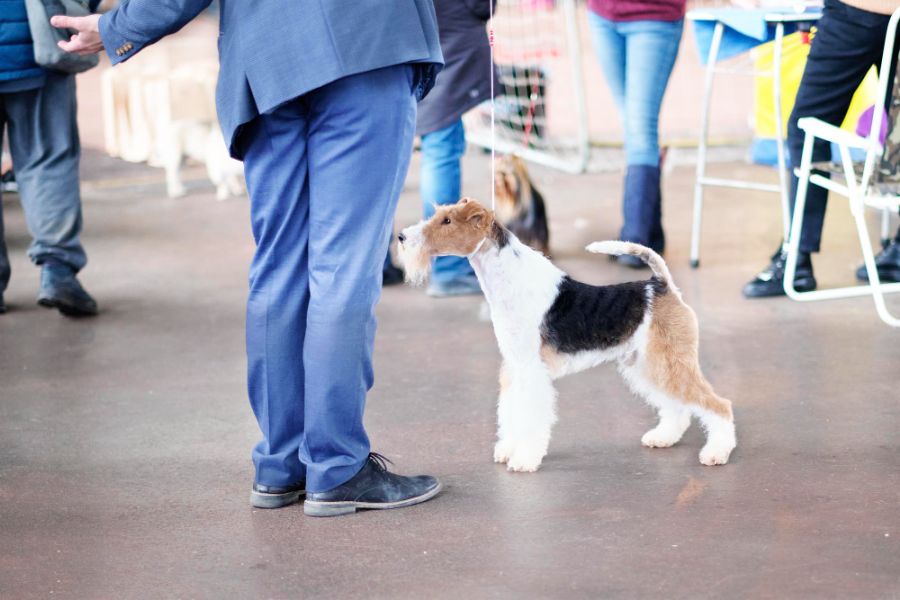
(465, 200)
(474, 212)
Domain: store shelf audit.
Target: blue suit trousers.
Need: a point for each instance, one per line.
(324, 172)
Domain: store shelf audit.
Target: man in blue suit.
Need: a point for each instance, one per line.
(319, 101)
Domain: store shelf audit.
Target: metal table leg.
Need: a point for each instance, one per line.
(779, 132)
(704, 140)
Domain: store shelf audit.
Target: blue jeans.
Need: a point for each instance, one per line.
(441, 178)
(324, 172)
(637, 58)
(43, 141)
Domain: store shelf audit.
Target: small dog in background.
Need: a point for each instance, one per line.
(549, 325)
(519, 205)
(188, 129)
(203, 142)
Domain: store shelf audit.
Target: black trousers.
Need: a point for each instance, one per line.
(847, 43)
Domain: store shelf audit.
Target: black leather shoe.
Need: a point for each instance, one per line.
(770, 282)
(887, 262)
(374, 487)
(267, 496)
(60, 289)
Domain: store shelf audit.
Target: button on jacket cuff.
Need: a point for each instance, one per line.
(117, 47)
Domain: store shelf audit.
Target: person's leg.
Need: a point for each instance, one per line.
(609, 47)
(441, 177)
(358, 153)
(843, 50)
(651, 49)
(278, 185)
(43, 140)
(846, 45)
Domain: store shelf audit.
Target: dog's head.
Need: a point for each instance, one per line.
(511, 187)
(454, 230)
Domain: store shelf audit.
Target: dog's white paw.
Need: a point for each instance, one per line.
(715, 453)
(660, 437)
(526, 459)
(503, 449)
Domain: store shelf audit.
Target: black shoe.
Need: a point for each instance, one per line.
(887, 263)
(631, 261)
(2, 305)
(374, 487)
(391, 275)
(8, 183)
(267, 496)
(60, 289)
(771, 281)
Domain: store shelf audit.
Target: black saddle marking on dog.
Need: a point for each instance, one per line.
(659, 286)
(590, 317)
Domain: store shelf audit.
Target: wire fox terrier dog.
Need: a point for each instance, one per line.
(548, 325)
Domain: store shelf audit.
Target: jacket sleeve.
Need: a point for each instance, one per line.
(134, 24)
(480, 8)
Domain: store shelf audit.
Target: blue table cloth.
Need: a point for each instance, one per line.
(744, 28)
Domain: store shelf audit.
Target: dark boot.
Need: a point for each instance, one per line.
(770, 282)
(642, 212)
(887, 262)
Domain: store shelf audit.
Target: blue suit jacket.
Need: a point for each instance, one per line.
(271, 51)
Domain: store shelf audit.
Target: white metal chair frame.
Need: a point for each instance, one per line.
(778, 19)
(859, 190)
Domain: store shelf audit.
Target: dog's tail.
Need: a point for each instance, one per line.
(653, 260)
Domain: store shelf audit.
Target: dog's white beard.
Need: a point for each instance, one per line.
(416, 264)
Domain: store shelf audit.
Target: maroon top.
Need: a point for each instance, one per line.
(637, 10)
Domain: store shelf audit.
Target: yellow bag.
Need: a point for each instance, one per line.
(793, 61)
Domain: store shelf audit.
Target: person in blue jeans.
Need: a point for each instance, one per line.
(463, 84)
(636, 44)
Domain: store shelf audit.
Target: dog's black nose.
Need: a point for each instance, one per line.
(401, 237)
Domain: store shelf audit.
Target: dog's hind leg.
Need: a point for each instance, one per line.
(674, 419)
(717, 419)
(672, 366)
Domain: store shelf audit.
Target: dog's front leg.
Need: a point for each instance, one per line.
(526, 414)
(505, 445)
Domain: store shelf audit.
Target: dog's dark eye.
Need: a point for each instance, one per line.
(447, 221)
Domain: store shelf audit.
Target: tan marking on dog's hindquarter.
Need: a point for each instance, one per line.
(672, 358)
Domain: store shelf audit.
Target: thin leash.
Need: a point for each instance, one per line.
(491, 75)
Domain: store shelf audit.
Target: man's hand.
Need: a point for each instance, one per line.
(87, 40)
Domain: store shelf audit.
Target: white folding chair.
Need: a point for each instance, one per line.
(874, 183)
